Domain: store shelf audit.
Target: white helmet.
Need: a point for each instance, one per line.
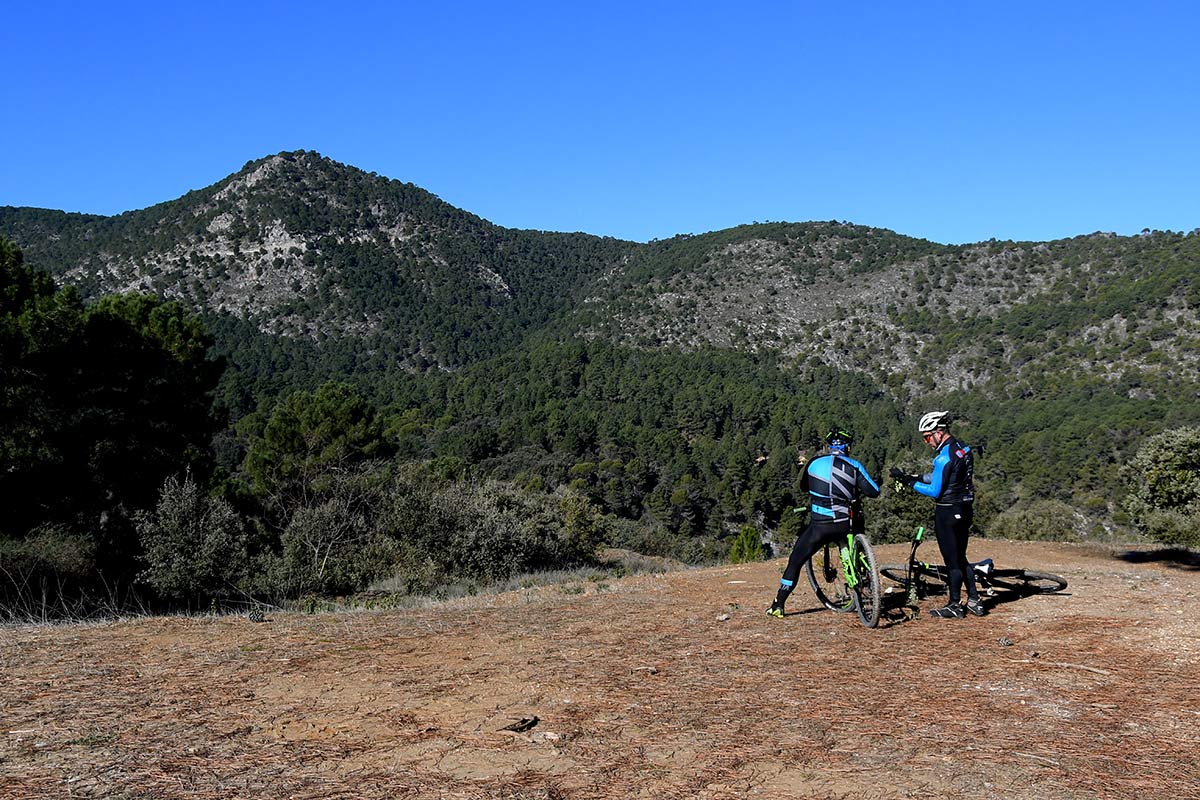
(933, 421)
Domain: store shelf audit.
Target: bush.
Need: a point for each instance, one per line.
(648, 537)
(194, 545)
(1164, 476)
(894, 515)
(336, 542)
(446, 531)
(498, 531)
(747, 546)
(38, 573)
(1041, 520)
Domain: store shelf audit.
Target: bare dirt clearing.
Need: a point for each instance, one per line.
(666, 686)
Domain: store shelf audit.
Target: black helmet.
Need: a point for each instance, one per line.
(839, 437)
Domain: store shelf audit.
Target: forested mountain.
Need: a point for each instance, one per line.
(359, 273)
(920, 316)
(305, 248)
(362, 326)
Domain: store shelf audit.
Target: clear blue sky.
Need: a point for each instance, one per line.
(953, 121)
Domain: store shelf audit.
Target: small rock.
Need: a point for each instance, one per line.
(722, 618)
(1004, 641)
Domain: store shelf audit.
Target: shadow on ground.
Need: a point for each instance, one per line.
(1179, 557)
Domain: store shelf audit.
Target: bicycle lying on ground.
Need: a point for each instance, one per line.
(920, 580)
(845, 577)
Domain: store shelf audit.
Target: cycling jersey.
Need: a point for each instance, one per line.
(953, 477)
(834, 482)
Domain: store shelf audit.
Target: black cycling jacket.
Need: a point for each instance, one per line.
(953, 477)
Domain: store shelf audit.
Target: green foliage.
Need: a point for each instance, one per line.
(45, 562)
(428, 336)
(1164, 501)
(194, 545)
(747, 546)
(335, 541)
(898, 512)
(1041, 520)
(100, 404)
(308, 437)
(496, 531)
(672, 439)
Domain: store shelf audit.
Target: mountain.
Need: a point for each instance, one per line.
(670, 382)
(302, 247)
(331, 259)
(918, 315)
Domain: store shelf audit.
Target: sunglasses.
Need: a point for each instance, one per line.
(927, 436)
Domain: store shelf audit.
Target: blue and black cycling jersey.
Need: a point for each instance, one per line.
(834, 482)
(953, 477)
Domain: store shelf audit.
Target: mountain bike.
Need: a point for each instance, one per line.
(845, 577)
(920, 579)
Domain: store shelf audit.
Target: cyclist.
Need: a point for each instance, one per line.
(835, 484)
(951, 485)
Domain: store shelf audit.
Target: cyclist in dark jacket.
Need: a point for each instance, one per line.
(835, 484)
(951, 485)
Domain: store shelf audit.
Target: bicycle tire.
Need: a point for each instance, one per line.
(825, 577)
(1026, 581)
(928, 582)
(897, 573)
(868, 599)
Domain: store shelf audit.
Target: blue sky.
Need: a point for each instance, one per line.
(952, 121)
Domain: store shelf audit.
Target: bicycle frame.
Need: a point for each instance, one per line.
(848, 569)
(910, 586)
(986, 574)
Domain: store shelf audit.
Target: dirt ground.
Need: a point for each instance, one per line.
(666, 686)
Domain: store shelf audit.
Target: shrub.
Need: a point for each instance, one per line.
(193, 544)
(1042, 520)
(483, 531)
(336, 542)
(1164, 498)
(38, 573)
(747, 546)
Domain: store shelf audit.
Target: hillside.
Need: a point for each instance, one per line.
(381, 275)
(668, 686)
(650, 377)
(305, 248)
(913, 314)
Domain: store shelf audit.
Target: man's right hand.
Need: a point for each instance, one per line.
(900, 477)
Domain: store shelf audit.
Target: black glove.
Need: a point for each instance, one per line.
(901, 478)
(895, 473)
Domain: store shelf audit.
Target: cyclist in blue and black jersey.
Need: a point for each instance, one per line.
(951, 484)
(835, 483)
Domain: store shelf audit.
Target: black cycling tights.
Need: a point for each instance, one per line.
(952, 524)
(814, 536)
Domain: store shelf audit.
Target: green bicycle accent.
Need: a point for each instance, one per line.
(848, 580)
(921, 579)
(848, 562)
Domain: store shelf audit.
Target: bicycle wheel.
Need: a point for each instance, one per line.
(928, 578)
(1025, 581)
(825, 576)
(866, 590)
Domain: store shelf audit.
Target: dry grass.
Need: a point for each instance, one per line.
(665, 686)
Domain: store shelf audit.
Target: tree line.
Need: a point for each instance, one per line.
(133, 461)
